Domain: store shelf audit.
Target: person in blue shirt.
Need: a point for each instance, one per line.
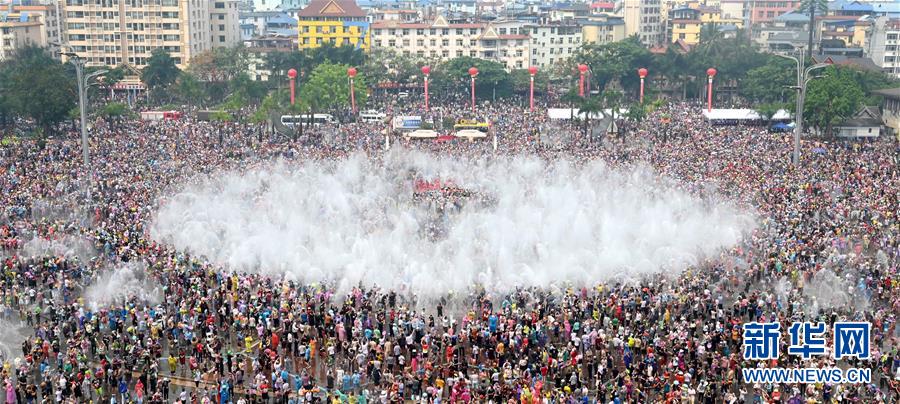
(123, 389)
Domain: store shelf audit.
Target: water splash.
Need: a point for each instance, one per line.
(125, 282)
(354, 221)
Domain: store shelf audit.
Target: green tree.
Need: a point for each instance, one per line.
(328, 89)
(37, 86)
(190, 90)
(832, 98)
(617, 61)
(587, 108)
(521, 80)
(452, 77)
(114, 110)
(767, 83)
(160, 71)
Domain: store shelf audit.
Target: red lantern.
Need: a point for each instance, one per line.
(583, 68)
(473, 71)
(711, 72)
(292, 73)
(351, 72)
(426, 70)
(532, 70)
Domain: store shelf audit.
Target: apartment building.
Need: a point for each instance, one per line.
(224, 24)
(48, 14)
(764, 11)
(644, 18)
(18, 33)
(114, 32)
(602, 29)
(884, 43)
(442, 40)
(686, 23)
(339, 22)
(554, 43)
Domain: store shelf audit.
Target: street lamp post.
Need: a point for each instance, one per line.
(82, 82)
(802, 80)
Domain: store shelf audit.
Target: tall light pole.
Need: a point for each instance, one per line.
(82, 82)
(802, 80)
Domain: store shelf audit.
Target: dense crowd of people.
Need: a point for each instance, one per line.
(221, 336)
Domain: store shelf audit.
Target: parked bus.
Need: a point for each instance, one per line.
(317, 120)
(372, 116)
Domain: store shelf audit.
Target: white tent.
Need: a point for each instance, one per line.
(470, 134)
(742, 114)
(422, 134)
(568, 113)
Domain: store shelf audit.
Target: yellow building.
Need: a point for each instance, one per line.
(686, 23)
(340, 22)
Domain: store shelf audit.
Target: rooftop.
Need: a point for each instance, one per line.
(332, 8)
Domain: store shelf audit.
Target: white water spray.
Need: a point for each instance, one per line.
(354, 221)
(127, 281)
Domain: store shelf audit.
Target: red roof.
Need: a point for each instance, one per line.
(603, 4)
(513, 36)
(332, 8)
(393, 24)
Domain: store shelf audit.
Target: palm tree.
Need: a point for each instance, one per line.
(812, 6)
(588, 107)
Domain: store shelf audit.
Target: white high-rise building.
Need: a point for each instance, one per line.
(115, 32)
(884, 45)
(644, 18)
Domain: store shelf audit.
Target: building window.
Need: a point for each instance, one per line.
(392, 43)
(420, 42)
(405, 31)
(220, 5)
(406, 42)
(222, 38)
(459, 42)
(432, 31)
(420, 32)
(473, 31)
(445, 31)
(459, 31)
